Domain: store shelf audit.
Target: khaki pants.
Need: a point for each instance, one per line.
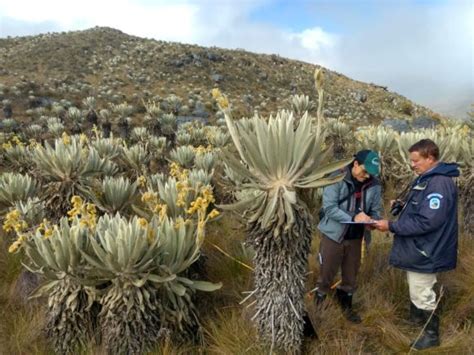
(332, 256)
(422, 294)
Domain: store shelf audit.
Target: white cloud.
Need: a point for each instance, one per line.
(314, 39)
(167, 21)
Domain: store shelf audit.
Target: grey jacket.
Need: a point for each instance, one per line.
(335, 213)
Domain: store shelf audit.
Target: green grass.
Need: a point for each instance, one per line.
(382, 300)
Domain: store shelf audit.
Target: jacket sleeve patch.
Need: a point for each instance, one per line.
(435, 203)
(434, 195)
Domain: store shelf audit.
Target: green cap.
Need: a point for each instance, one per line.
(370, 160)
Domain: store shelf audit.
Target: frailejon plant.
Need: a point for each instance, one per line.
(54, 253)
(15, 188)
(16, 155)
(384, 141)
(279, 158)
(67, 169)
(135, 159)
(116, 194)
(135, 270)
(146, 294)
(340, 135)
(466, 185)
(300, 104)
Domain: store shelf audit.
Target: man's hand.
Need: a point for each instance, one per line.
(362, 217)
(381, 225)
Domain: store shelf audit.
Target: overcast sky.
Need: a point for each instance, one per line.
(422, 49)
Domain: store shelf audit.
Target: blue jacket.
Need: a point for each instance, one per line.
(426, 232)
(336, 211)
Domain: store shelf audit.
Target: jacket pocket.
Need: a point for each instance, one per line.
(419, 247)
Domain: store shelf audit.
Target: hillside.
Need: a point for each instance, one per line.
(115, 67)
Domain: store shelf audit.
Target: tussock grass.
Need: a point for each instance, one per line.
(21, 327)
(231, 332)
(382, 300)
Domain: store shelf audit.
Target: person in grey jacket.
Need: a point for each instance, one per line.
(356, 199)
(426, 235)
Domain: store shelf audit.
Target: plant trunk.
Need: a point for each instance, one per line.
(467, 202)
(280, 274)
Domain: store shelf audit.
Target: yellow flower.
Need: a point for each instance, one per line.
(7, 145)
(33, 143)
(207, 194)
(13, 222)
(91, 209)
(17, 244)
(175, 169)
(223, 102)
(220, 98)
(14, 247)
(76, 200)
(141, 181)
(48, 233)
(66, 139)
(216, 93)
(83, 139)
(143, 222)
(17, 141)
(214, 213)
(149, 197)
(200, 150)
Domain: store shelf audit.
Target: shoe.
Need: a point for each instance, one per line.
(430, 336)
(319, 298)
(345, 301)
(417, 316)
(308, 329)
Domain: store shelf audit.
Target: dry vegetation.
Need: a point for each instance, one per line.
(382, 299)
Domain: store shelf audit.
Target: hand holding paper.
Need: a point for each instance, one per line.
(361, 217)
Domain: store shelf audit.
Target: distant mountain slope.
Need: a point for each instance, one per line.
(114, 66)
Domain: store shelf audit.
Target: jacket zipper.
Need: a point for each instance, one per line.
(352, 205)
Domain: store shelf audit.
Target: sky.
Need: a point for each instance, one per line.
(422, 49)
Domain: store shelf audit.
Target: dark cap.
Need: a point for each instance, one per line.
(370, 160)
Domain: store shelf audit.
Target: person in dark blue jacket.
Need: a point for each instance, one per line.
(426, 235)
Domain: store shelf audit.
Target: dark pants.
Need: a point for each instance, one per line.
(333, 255)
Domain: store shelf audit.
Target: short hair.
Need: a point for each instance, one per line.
(425, 147)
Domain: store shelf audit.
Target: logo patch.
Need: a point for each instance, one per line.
(375, 161)
(434, 195)
(435, 203)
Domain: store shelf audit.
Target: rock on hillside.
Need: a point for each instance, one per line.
(115, 67)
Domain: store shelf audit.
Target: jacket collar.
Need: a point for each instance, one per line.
(446, 169)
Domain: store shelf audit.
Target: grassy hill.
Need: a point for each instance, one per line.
(114, 67)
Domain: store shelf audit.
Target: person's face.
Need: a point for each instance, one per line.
(359, 173)
(420, 164)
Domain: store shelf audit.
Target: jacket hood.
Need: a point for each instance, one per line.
(446, 169)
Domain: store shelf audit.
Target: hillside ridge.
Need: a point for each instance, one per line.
(115, 67)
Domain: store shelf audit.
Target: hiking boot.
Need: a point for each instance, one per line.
(308, 329)
(417, 316)
(430, 336)
(319, 298)
(345, 301)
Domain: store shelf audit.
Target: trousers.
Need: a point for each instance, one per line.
(422, 294)
(332, 256)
